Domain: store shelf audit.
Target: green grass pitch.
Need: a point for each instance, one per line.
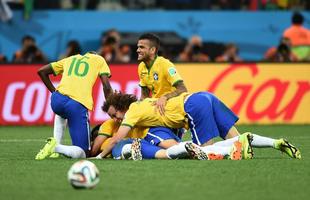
(271, 175)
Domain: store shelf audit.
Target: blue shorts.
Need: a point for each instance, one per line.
(148, 151)
(77, 116)
(117, 149)
(208, 117)
(156, 135)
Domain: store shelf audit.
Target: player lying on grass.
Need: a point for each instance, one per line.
(136, 148)
(206, 116)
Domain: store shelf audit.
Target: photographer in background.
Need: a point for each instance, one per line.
(230, 54)
(110, 47)
(29, 53)
(281, 53)
(193, 51)
(73, 48)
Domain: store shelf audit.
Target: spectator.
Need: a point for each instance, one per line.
(110, 46)
(230, 54)
(281, 53)
(3, 59)
(298, 34)
(29, 53)
(125, 53)
(299, 37)
(73, 48)
(193, 51)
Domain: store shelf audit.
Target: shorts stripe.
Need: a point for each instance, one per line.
(193, 130)
(88, 131)
(160, 139)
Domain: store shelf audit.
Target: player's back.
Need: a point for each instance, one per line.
(143, 113)
(79, 73)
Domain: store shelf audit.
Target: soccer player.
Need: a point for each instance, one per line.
(72, 99)
(206, 116)
(158, 79)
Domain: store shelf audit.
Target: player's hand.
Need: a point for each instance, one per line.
(160, 104)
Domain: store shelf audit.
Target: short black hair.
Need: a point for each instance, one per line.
(155, 41)
(28, 37)
(297, 18)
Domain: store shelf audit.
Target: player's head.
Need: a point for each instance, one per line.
(297, 18)
(147, 47)
(117, 104)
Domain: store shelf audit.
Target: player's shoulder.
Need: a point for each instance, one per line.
(164, 62)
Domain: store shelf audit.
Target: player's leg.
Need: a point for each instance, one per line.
(203, 127)
(79, 129)
(57, 104)
(59, 128)
(122, 150)
(279, 144)
(210, 152)
(137, 149)
(162, 136)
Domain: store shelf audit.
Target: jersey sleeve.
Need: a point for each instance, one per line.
(141, 80)
(58, 67)
(133, 115)
(104, 68)
(106, 128)
(172, 74)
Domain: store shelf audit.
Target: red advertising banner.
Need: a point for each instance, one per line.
(257, 93)
(24, 99)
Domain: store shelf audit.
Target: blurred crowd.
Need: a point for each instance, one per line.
(167, 4)
(293, 46)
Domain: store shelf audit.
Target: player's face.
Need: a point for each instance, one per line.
(116, 115)
(144, 50)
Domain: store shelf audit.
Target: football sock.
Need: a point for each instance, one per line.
(261, 141)
(126, 151)
(177, 151)
(70, 151)
(59, 128)
(223, 150)
(227, 143)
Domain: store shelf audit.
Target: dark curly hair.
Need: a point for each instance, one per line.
(120, 101)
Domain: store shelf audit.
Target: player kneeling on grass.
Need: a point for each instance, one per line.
(206, 116)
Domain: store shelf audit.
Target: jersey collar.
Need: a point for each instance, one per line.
(149, 67)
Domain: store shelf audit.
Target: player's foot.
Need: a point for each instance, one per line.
(196, 152)
(247, 150)
(236, 151)
(55, 155)
(47, 150)
(286, 147)
(136, 149)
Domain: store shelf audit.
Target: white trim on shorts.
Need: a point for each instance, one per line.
(88, 131)
(195, 133)
(160, 139)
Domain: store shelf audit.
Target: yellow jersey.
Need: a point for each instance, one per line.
(110, 127)
(79, 74)
(160, 77)
(144, 114)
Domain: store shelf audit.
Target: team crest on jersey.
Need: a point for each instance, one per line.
(172, 71)
(155, 76)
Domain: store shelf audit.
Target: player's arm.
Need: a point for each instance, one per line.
(121, 134)
(107, 89)
(145, 92)
(95, 149)
(44, 73)
(161, 102)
